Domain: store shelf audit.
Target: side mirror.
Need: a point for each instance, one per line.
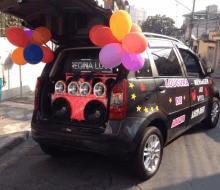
(209, 70)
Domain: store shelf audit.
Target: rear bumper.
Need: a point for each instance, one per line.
(119, 143)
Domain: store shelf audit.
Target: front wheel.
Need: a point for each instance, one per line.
(147, 158)
(211, 121)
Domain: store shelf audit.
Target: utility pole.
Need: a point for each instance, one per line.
(191, 24)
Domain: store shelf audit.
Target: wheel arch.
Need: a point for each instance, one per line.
(160, 124)
(216, 95)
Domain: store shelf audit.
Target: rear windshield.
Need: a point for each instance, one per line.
(82, 60)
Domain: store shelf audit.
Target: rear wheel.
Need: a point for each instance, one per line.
(211, 121)
(147, 158)
(53, 151)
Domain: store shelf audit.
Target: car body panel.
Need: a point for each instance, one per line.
(121, 138)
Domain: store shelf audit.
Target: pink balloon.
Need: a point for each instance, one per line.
(111, 55)
(133, 62)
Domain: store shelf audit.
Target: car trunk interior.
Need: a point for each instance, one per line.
(61, 67)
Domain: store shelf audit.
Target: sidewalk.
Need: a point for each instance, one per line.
(15, 127)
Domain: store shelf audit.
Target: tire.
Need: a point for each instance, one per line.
(136, 163)
(208, 122)
(53, 151)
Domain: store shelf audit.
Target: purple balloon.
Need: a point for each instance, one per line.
(28, 32)
(111, 55)
(133, 62)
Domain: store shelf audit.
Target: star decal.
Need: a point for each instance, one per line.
(148, 70)
(170, 100)
(157, 108)
(146, 110)
(184, 97)
(131, 85)
(133, 96)
(138, 108)
(152, 109)
(138, 71)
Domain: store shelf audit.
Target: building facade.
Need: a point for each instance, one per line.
(203, 21)
(115, 4)
(138, 15)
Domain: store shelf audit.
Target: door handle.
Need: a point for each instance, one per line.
(162, 89)
(192, 84)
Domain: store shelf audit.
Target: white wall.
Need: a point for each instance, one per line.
(29, 73)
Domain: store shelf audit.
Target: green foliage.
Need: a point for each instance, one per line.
(7, 21)
(160, 25)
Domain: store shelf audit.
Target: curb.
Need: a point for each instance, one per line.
(12, 141)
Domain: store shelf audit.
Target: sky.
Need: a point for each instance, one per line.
(171, 8)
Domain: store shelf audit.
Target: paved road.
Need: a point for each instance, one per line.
(190, 162)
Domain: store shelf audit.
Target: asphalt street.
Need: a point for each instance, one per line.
(192, 161)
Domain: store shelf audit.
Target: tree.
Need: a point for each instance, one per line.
(160, 25)
(6, 21)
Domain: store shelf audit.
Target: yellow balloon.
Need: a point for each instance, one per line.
(120, 24)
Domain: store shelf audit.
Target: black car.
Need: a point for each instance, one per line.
(129, 115)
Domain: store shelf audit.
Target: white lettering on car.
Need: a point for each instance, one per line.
(170, 83)
(198, 112)
(200, 98)
(201, 89)
(200, 82)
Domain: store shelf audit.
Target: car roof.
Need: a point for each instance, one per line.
(154, 35)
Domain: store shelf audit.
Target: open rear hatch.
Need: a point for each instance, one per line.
(68, 20)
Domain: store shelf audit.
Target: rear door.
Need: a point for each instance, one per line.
(199, 85)
(172, 86)
(141, 91)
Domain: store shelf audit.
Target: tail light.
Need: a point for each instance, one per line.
(118, 102)
(36, 93)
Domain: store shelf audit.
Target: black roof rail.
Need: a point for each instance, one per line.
(161, 36)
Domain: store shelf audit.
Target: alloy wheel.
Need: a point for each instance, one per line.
(215, 112)
(152, 152)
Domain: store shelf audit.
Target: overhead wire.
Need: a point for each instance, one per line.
(183, 5)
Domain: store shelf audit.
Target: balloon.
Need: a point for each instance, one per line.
(28, 32)
(135, 28)
(133, 62)
(17, 37)
(33, 54)
(111, 55)
(48, 55)
(17, 56)
(41, 35)
(120, 24)
(101, 35)
(135, 43)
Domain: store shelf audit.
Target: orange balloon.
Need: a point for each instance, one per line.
(17, 37)
(101, 35)
(41, 35)
(135, 28)
(17, 56)
(134, 43)
(120, 24)
(48, 55)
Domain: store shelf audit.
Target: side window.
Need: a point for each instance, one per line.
(190, 63)
(145, 71)
(166, 61)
